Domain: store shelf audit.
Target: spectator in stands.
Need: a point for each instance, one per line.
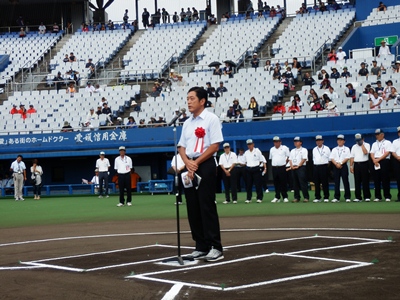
(266, 8)
(165, 16)
(125, 18)
(72, 57)
(142, 123)
(335, 74)
(102, 101)
(272, 12)
(211, 91)
(85, 28)
(160, 122)
(97, 89)
(375, 70)
(89, 88)
(381, 7)
(296, 65)
(326, 83)
(87, 126)
(157, 16)
(260, 16)
(236, 105)
(379, 88)
(312, 97)
(131, 123)
(67, 127)
(331, 93)
(299, 103)
(345, 73)
(367, 89)
(332, 110)
(58, 80)
(221, 89)
(387, 88)
(290, 77)
(302, 10)
(110, 25)
(279, 108)
(217, 71)
(152, 23)
(285, 66)
(322, 74)
(228, 70)
(341, 55)
(14, 110)
(268, 67)
(71, 90)
(106, 110)
(22, 33)
(175, 18)
(276, 74)
(183, 118)
(212, 20)
(350, 92)
(42, 28)
(90, 68)
(253, 106)
(66, 58)
(384, 49)
(322, 6)
(317, 106)
(56, 29)
(334, 5)
(189, 15)
(332, 56)
(145, 18)
(231, 113)
(183, 15)
(393, 95)
(99, 110)
(31, 110)
(180, 81)
(375, 101)
(238, 117)
(325, 101)
(260, 6)
(396, 68)
(92, 115)
(308, 80)
(154, 92)
(280, 10)
(103, 27)
(294, 108)
(255, 61)
(151, 123)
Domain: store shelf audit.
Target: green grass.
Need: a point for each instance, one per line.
(80, 209)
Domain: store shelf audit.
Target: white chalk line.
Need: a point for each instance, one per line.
(187, 232)
(327, 259)
(53, 266)
(19, 268)
(189, 284)
(269, 242)
(351, 238)
(170, 295)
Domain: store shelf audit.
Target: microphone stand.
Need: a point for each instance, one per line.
(179, 258)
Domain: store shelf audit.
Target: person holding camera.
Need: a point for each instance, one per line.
(19, 176)
(359, 167)
(37, 173)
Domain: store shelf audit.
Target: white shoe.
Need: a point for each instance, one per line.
(100, 196)
(356, 200)
(335, 201)
(214, 255)
(275, 200)
(178, 203)
(226, 202)
(286, 200)
(317, 200)
(16, 199)
(22, 199)
(215, 202)
(259, 201)
(348, 200)
(267, 191)
(377, 200)
(292, 191)
(129, 204)
(387, 200)
(120, 204)
(107, 196)
(367, 200)
(247, 201)
(326, 200)
(234, 202)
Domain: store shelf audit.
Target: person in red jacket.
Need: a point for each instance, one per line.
(279, 108)
(14, 110)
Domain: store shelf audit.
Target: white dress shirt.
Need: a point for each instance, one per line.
(341, 55)
(358, 154)
(279, 156)
(297, 155)
(95, 181)
(210, 123)
(396, 146)
(384, 51)
(241, 159)
(37, 175)
(103, 164)
(227, 160)
(321, 155)
(177, 162)
(253, 158)
(339, 154)
(380, 148)
(18, 167)
(123, 165)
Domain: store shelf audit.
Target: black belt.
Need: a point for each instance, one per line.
(252, 167)
(123, 173)
(284, 166)
(321, 165)
(103, 172)
(361, 162)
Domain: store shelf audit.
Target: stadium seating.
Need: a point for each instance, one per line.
(391, 15)
(316, 29)
(23, 55)
(100, 46)
(231, 40)
(156, 49)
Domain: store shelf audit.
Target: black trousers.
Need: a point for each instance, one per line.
(230, 185)
(202, 210)
(300, 182)
(279, 176)
(241, 174)
(103, 178)
(321, 173)
(397, 170)
(344, 174)
(253, 176)
(37, 189)
(361, 176)
(382, 176)
(124, 182)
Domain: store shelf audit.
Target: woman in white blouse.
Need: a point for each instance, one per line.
(37, 173)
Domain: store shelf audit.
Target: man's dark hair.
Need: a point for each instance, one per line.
(20, 156)
(200, 93)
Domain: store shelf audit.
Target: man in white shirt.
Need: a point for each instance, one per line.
(298, 159)
(331, 93)
(380, 155)
(321, 155)
(396, 155)
(92, 115)
(103, 165)
(227, 162)
(42, 28)
(253, 157)
(95, 180)
(384, 49)
(341, 55)
(359, 156)
(19, 176)
(200, 139)
(339, 157)
(241, 170)
(279, 156)
(123, 166)
(89, 88)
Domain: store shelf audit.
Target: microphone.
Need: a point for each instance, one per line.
(175, 118)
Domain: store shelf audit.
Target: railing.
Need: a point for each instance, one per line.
(243, 57)
(10, 29)
(316, 56)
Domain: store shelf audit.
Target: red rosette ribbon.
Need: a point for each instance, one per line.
(200, 133)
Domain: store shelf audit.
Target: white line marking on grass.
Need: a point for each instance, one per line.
(187, 232)
(333, 247)
(269, 242)
(170, 295)
(53, 266)
(19, 268)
